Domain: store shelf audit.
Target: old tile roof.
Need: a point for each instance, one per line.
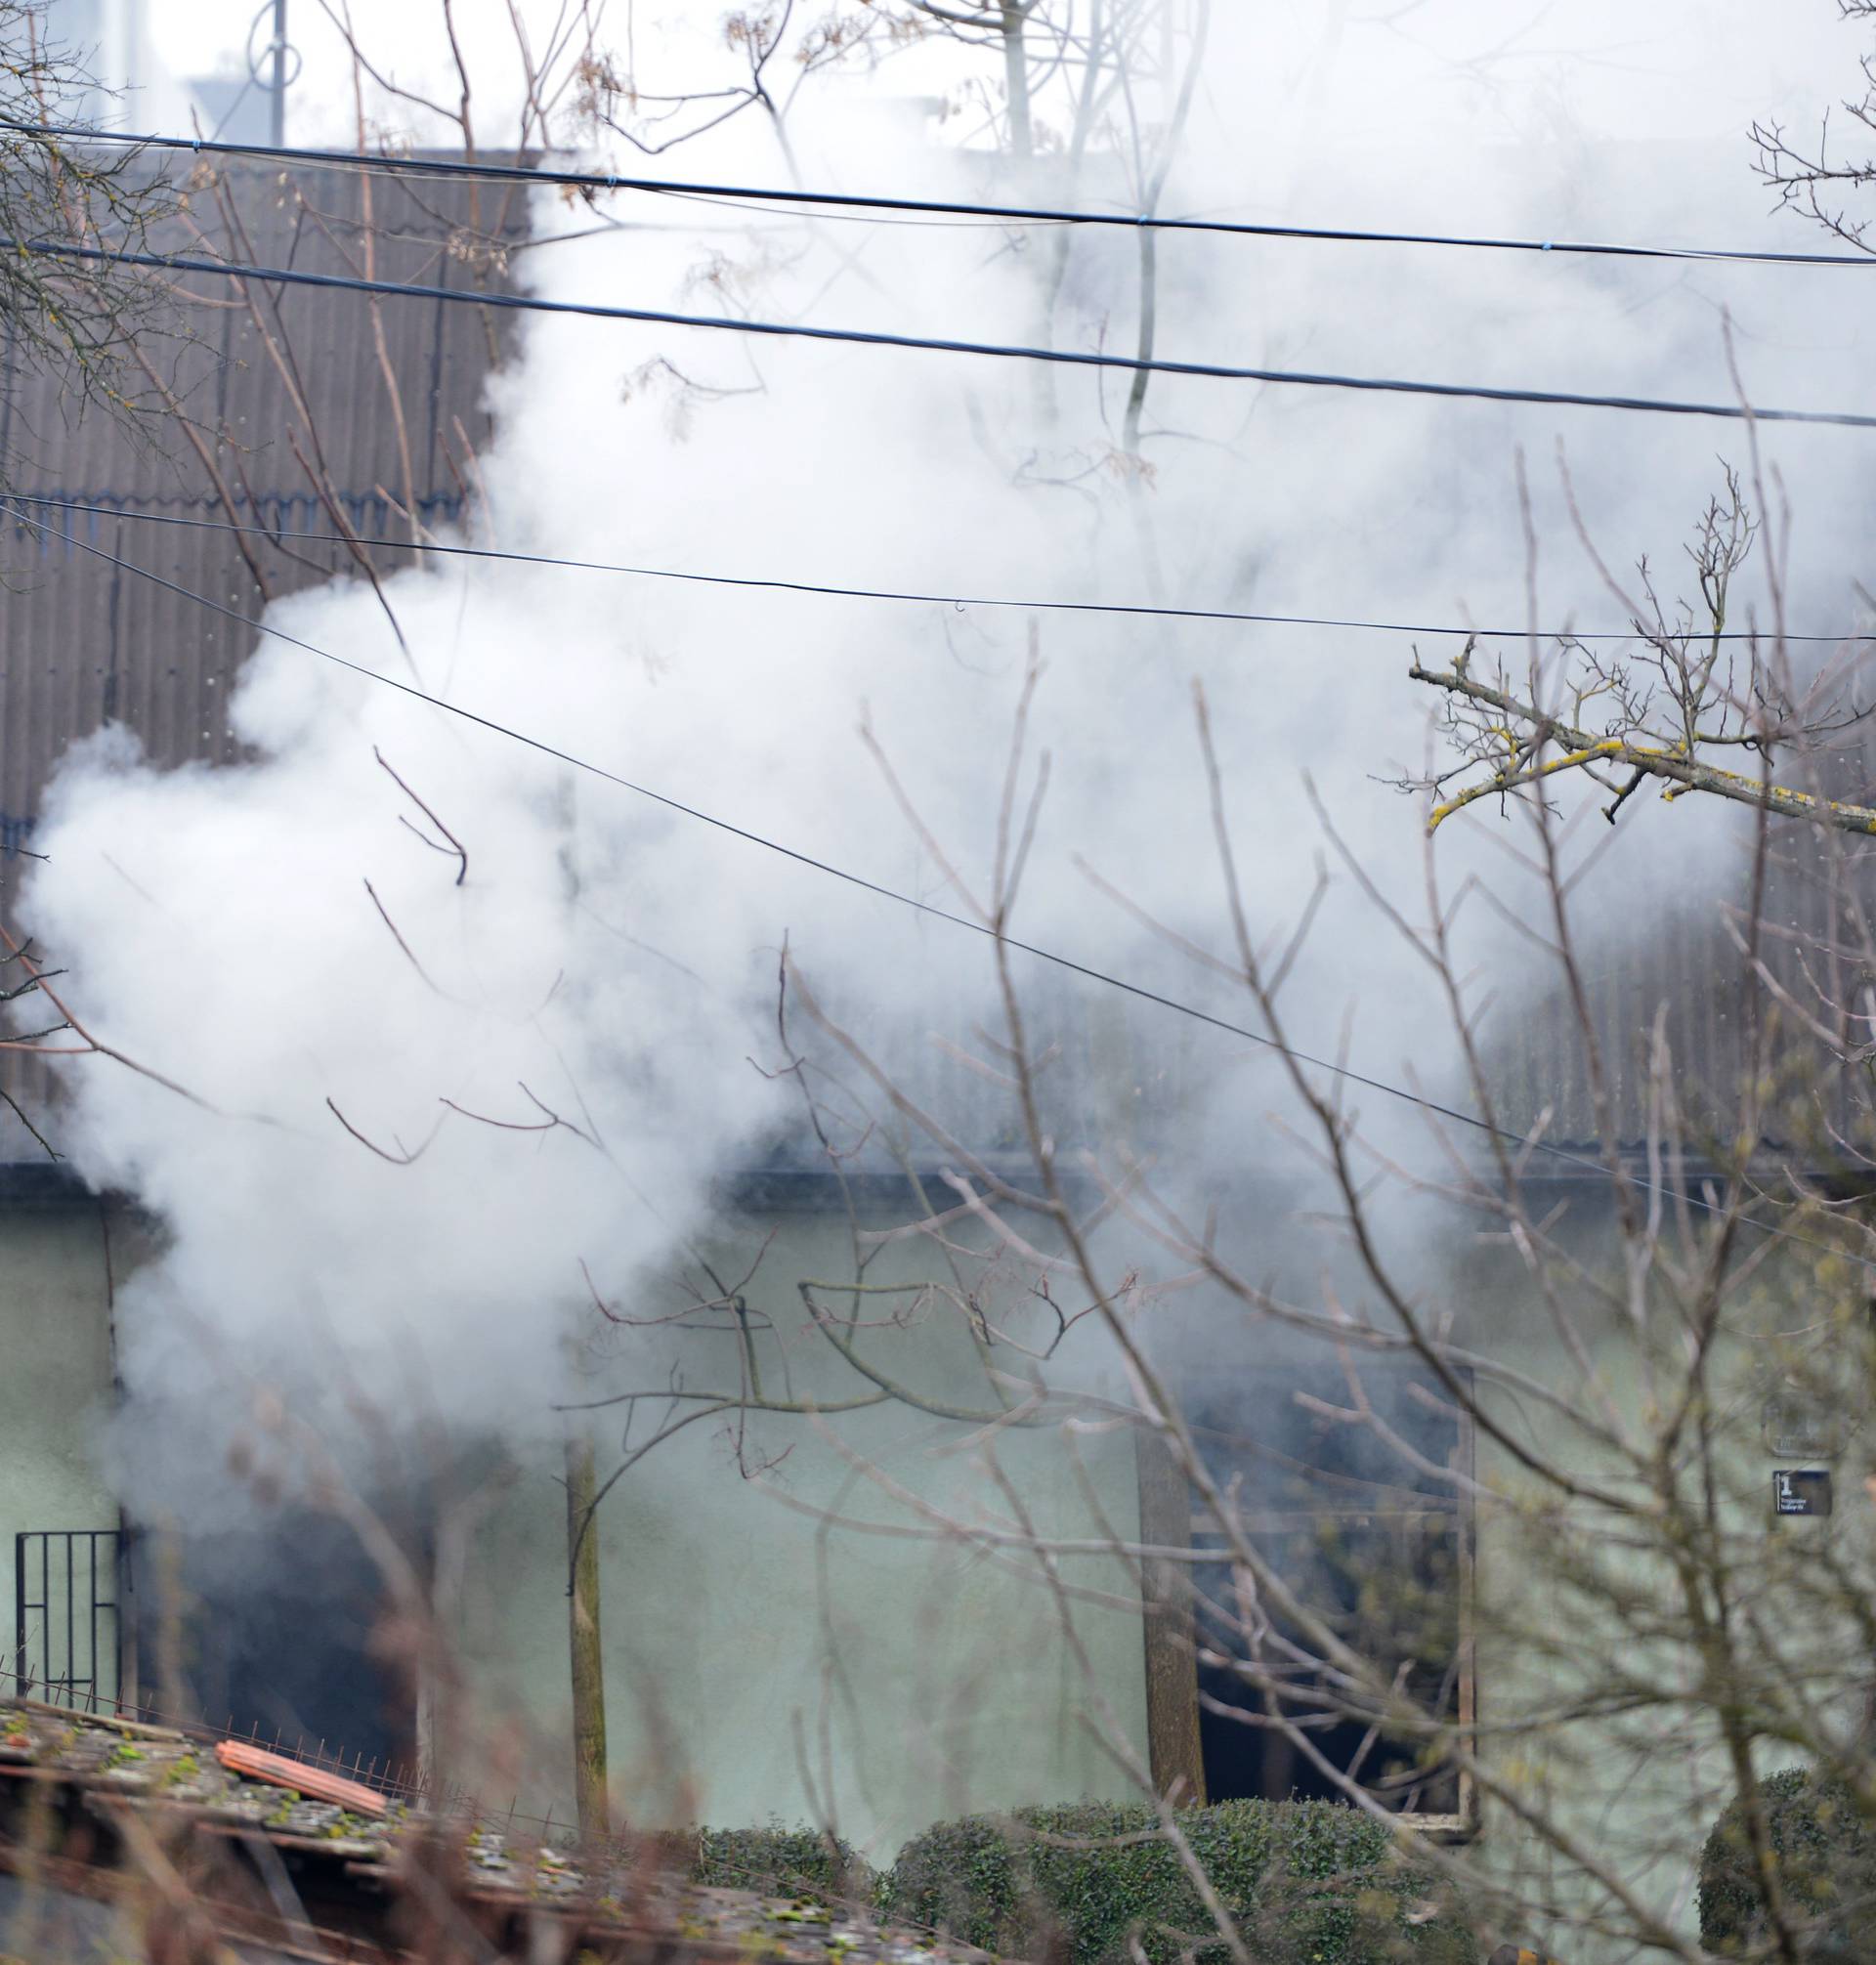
(86, 1802)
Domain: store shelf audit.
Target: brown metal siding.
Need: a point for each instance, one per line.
(82, 641)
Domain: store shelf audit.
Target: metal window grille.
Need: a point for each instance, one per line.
(67, 1624)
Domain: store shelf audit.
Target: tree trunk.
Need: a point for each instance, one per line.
(1173, 1745)
(583, 1647)
(1022, 136)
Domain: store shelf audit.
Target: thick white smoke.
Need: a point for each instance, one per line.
(278, 940)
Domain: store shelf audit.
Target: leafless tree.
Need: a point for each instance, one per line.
(1689, 684)
(81, 317)
(1637, 1604)
(1116, 86)
(90, 322)
(1635, 1608)
(1818, 178)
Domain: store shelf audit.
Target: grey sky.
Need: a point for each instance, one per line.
(1594, 67)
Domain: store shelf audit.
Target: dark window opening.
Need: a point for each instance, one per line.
(1360, 1518)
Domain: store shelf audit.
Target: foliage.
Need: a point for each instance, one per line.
(776, 1860)
(1826, 1863)
(1307, 1883)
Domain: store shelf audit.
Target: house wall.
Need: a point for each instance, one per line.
(755, 1665)
(1575, 1610)
(757, 1662)
(55, 1384)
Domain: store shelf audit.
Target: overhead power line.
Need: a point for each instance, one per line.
(611, 181)
(960, 601)
(876, 338)
(754, 838)
(1579, 1161)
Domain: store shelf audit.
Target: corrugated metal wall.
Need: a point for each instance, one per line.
(83, 641)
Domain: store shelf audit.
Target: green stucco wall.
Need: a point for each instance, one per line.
(55, 1385)
(760, 1667)
(761, 1663)
(1580, 1619)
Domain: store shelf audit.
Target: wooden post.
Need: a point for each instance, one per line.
(584, 1647)
(1171, 1662)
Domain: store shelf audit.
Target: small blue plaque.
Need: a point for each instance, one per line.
(1800, 1491)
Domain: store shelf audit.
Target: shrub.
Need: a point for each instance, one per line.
(1826, 1856)
(1308, 1883)
(778, 1862)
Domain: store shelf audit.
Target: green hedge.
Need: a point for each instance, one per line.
(778, 1862)
(1826, 1854)
(1308, 1883)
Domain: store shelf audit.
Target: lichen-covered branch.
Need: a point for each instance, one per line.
(1529, 732)
(1690, 683)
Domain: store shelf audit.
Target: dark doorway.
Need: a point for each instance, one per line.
(281, 1630)
(1357, 1515)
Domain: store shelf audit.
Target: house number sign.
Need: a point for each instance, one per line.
(1800, 1490)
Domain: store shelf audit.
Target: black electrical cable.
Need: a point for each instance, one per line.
(1581, 1162)
(611, 181)
(874, 338)
(962, 602)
